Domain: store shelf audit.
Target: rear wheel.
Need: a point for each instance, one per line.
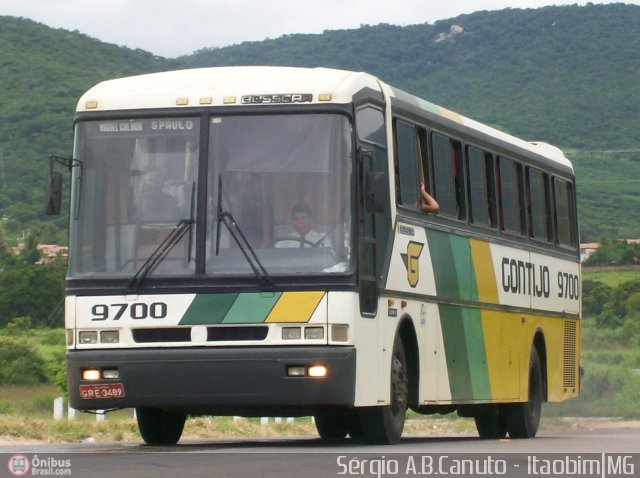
(383, 425)
(523, 419)
(160, 427)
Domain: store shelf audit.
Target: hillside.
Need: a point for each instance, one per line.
(42, 73)
(567, 75)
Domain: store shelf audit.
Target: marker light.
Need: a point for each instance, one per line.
(317, 371)
(91, 374)
(70, 336)
(339, 332)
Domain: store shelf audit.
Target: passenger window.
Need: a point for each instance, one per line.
(538, 211)
(408, 173)
(448, 172)
(564, 213)
(481, 187)
(510, 197)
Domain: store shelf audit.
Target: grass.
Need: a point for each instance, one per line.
(614, 278)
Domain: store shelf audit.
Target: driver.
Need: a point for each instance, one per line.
(304, 235)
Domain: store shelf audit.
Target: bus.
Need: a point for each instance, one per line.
(250, 241)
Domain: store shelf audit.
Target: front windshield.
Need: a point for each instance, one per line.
(136, 183)
(284, 180)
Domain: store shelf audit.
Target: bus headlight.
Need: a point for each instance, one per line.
(314, 333)
(88, 337)
(291, 333)
(109, 336)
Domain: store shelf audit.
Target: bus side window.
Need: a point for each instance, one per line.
(481, 187)
(510, 197)
(448, 171)
(564, 213)
(407, 173)
(538, 211)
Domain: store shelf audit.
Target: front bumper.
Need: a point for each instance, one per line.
(239, 380)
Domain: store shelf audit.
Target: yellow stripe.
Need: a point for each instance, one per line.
(485, 275)
(502, 348)
(295, 307)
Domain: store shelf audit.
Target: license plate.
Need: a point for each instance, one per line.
(105, 390)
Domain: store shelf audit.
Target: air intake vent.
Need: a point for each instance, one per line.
(164, 334)
(230, 334)
(570, 369)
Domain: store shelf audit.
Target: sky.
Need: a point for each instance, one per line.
(171, 28)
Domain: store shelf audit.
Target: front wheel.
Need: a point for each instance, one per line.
(523, 419)
(383, 425)
(160, 427)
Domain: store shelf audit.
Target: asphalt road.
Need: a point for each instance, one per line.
(312, 457)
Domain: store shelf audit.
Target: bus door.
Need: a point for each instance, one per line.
(374, 222)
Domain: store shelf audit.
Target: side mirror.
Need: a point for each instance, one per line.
(53, 194)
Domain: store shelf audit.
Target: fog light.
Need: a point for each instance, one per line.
(88, 337)
(91, 374)
(109, 337)
(317, 371)
(291, 333)
(339, 332)
(110, 374)
(296, 371)
(314, 333)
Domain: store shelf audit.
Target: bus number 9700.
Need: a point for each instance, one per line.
(136, 311)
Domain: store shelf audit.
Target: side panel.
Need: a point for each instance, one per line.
(476, 308)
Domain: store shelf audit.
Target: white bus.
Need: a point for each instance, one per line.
(249, 241)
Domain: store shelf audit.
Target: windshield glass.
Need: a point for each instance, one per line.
(136, 183)
(284, 180)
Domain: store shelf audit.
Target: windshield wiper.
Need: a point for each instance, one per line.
(159, 253)
(226, 218)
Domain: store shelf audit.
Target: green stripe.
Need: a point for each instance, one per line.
(474, 337)
(455, 349)
(444, 271)
(465, 353)
(208, 309)
(251, 308)
(464, 267)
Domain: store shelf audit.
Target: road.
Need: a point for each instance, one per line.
(312, 457)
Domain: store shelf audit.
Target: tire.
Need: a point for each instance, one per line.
(383, 425)
(491, 426)
(523, 419)
(159, 427)
(331, 425)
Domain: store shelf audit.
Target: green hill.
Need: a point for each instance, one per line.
(43, 72)
(566, 75)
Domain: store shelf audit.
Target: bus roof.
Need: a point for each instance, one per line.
(218, 86)
(224, 86)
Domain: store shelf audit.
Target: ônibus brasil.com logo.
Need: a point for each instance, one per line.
(19, 465)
